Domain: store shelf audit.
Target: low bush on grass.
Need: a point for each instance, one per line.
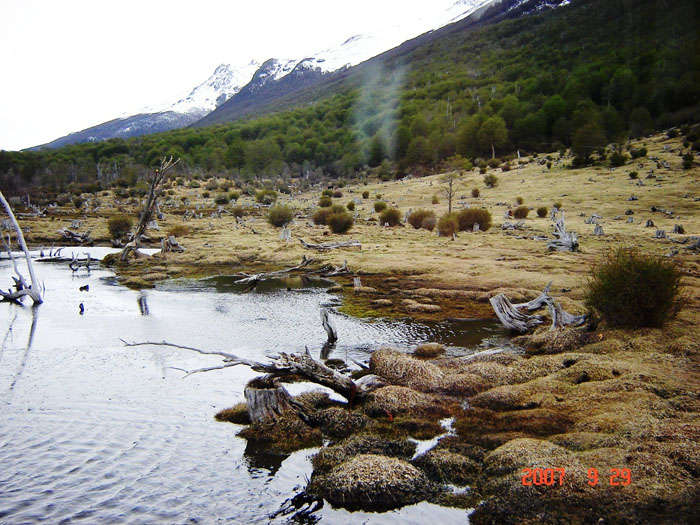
(448, 225)
(280, 215)
(339, 222)
(416, 218)
(542, 212)
(325, 202)
(468, 217)
(390, 216)
(521, 212)
(119, 226)
(379, 206)
(490, 180)
(633, 290)
(266, 196)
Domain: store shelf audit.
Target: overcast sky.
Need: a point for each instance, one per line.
(70, 64)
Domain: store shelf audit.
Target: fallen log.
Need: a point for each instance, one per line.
(254, 279)
(170, 245)
(81, 238)
(330, 245)
(510, 317)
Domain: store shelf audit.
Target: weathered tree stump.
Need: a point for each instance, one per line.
(266, 399)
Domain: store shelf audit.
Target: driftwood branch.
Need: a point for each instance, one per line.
(80, 238)
(323, 247)
(253, 280)
(513, 317)
(21, 288)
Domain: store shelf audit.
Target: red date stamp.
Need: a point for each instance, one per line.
(555, 476)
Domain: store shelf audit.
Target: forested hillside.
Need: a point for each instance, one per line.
(581, 76)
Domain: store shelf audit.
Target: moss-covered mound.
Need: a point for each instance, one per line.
(371, 482)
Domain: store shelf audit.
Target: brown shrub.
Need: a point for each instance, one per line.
(468, 217)
(416, 218)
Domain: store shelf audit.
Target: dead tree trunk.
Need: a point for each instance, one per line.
(21, 288)
(565, 241)
(265, 399)
(328, 326)
(155, 189)
(512, 318)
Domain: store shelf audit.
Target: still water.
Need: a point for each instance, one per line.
(93, 432)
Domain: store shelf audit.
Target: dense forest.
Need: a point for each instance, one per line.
(591, 73)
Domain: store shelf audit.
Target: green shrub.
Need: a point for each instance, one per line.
(633, 175)
(350, 206)
(688, 159)
(339, 222)
(549, 165)
(542, 212)
(635, 153)
(78, 202)
(325, 201)
(321, 216)
(521, 212)
(416, 218)
(519, 200)
(212, 185)
(447, 225)
(490, 180)
(618, 159)
(266, 196)
(436, 199)
(280, 214)
(365, 194)
(379, 206)
(468, 217)
(194, 184)
(632, 290)
(225, 186)
(119, 226)
(327, 193)
(234, 195)
(475, 192)
(222, 199)
(493, 163)
(206, 194)
(482, 170)
(390, 216)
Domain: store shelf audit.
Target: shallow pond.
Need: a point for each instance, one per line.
(95, 432)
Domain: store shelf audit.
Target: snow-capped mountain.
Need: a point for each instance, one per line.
(246, 79)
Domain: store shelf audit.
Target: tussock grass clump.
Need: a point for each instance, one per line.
(436, 199)
(238, 211)
(401, 369)
(542, 212)
(350, 206)
(468, 217)
(365, 194)
(429, 350)
(390, 216)
(447, 467)
(286, 434)
(280, 215)
(379, 206)
(340, 422)
(179, 230)
(632, 290)
(371, 482)
(475, 192)
(448, 225)
(416, 218)
(325, 202)
(119, 226)
(222, 199)
(521, 212)
(237, 414)
(330, 457)
(321, 216)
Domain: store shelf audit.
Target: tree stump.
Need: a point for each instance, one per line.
(266, 399)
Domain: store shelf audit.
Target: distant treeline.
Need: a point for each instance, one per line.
(581, 76)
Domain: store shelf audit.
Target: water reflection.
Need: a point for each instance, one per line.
(143, 303)
(26, 350)
(258, 457)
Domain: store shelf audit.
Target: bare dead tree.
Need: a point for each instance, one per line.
(21, 287)
(154, 192)
(449, 188)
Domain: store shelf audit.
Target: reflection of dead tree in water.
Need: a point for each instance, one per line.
(30, 341)
(156, 187)
(143, 304)
(21, 287)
